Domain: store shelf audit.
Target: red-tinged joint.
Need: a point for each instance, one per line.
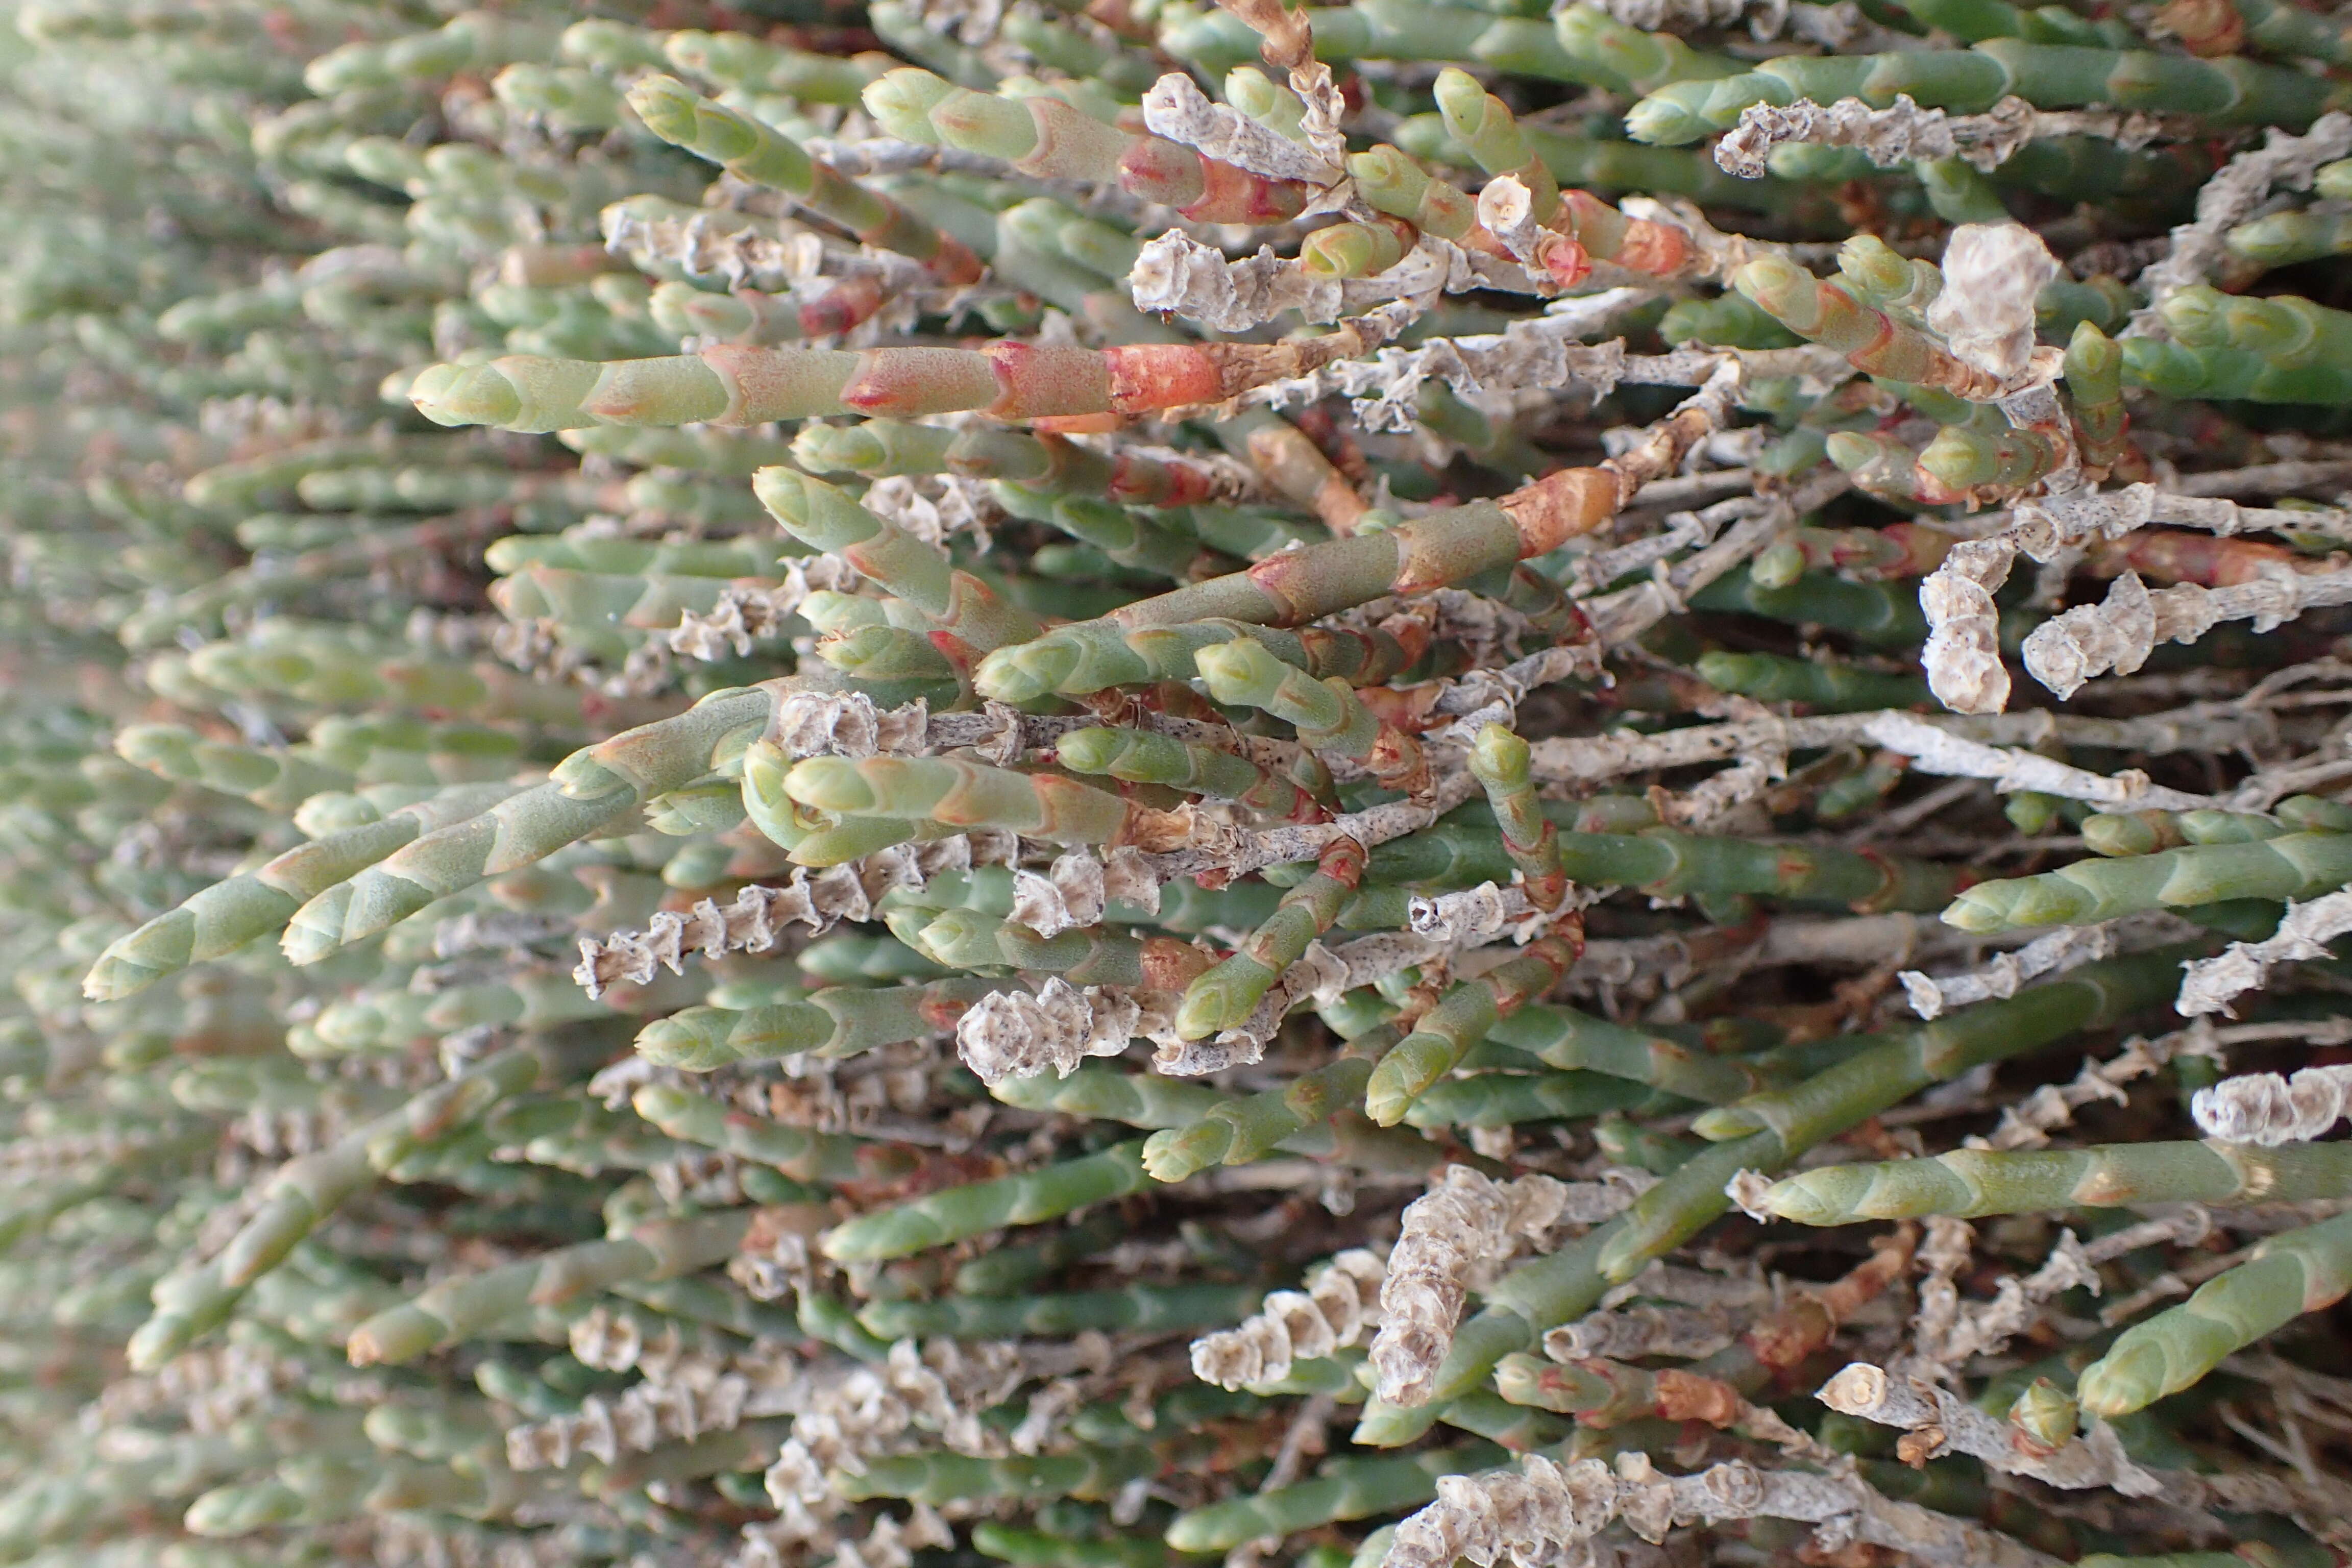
(1169, 965)
(1927, 489)
(1883, 329)
(1144, 481)
(1297, 805)
(1660, 250)
(1923, 550)
(1163, 172)
(1793, 865)
(1512, 991)
(1338, 507)
(940, 1012)
(2206, 28)
(1412, 637)
(1562, 506)
(1121, 18)
(1229, 194)
(1286, 578)
(1148, 376)
(900, 1173)
(1546, 890)
(1687, 1396)
(1408, 711)
(954, 263)
(1292, 466)
(841, 307)
(1343, 861)
(1561, 259)
(1079, 423)
(903, 383)
(961, 654)
(2203, 559)
(1398, 762)
(1890, 885)
(1036, 381)
(1179, 700)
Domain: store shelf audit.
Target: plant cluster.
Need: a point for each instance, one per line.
(920, 782)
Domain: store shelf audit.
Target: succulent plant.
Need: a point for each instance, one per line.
(820, 782)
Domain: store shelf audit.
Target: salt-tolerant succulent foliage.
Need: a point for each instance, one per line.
(834, 781)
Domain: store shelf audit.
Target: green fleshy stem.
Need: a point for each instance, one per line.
(1970, 1182)
(944, 1478)
(1144, 1309)
(2295, 865)
(1765, 1132)
(1346, 1488)
(1971, 80)
(1027, 1198)
(2300, 1271)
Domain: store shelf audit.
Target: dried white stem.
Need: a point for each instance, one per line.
(1506, 209)
(1873, 1394)
(2266, 478)
(2046, 528)
(2054, 952)
(1904, 132)
(749, 613)
(2028, 1123)
(1238, 852)
(1012, 1034)
(1756, 521)
(2211, 983)
(1073, 892)
(1686, 1333)
(1585, 759)
(908, 500)
(1457, 1238)
(1985, 1328)
(1321, 974)
(1177, 275)
(1482, 913)
(1936, 751)
(1949, 1246)
(643, 1417)
(1541, 1512)
(2264, 1107)
(1962, 656)
(755, 920)
(2120, 632)
(1341, 1303)
(2228, 199)
(1840, 28)
(1181, 111)
(1546, 351)
(1993, 274)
